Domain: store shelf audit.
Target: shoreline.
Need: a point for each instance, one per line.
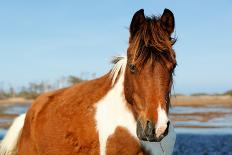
(16, 100)
(202, 101)
(194, 101)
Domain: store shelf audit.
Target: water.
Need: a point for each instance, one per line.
(16, 109)
(199, 120)
(2, 132)
(7, 115)
(13, 109)
(203, 130)
(188, 109)
(203, 144)
(200, 130)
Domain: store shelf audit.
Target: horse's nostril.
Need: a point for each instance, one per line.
(168, 123)
(149, 129)
(166, 131)
(161, 136)
(140, 131)
(149, 124)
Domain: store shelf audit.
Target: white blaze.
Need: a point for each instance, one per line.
(161, 124)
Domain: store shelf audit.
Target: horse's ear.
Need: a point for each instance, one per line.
(137, 20)
(168, 21)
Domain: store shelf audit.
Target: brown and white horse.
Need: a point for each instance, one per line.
(111, 114)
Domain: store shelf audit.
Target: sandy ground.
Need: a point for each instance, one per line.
(205, 100)
(190, 144)
(16, 100)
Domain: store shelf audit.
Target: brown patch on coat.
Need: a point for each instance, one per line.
(63, 122)
(122, 143)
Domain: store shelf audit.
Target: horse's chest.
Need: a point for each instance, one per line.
(112, 112)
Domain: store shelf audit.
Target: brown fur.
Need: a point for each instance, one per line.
(122, 143)
(62, 122)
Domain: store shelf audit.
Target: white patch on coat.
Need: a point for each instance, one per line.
(112, 111)
(161, 124)
(8, 145)
(120, 64)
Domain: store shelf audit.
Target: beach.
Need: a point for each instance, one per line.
(202, 100)
(178, 100)
(203, 123)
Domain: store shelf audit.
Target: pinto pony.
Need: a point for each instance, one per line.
(112, 114)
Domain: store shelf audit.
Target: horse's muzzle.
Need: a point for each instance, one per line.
(147, 133)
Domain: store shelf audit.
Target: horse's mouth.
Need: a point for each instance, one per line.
(151, 138)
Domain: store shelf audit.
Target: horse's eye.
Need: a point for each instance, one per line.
(132, 68)
(172, 40)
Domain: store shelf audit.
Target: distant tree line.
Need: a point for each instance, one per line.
(32, 90)
(216, 94)
(228, 93)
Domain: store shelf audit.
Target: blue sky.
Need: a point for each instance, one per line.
(44, 40)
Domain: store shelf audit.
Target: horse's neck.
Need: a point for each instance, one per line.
(112, 112)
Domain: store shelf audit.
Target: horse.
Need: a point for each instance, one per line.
(118, 113)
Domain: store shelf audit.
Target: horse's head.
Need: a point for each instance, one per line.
(148, 76)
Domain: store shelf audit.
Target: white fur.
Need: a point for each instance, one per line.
(121, 64)
(9, 143)
(161, 124)
(111, 112)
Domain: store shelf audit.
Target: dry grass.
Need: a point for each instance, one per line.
(180, 100)
(16, 100)
(204, 100)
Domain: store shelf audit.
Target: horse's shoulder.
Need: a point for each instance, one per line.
(42, 102)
